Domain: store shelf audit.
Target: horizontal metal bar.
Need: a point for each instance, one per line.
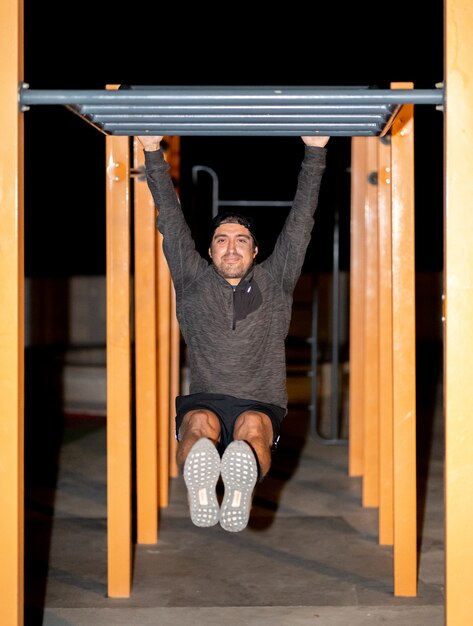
(245, 88)
(247, 132)
(237, 119)
(177, 128)
(191, 109)
(231, 95)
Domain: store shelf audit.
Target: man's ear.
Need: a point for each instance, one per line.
(210, 253)
(255, 251)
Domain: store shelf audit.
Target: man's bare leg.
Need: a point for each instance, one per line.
(195, 425)
(200, 460)
(251, 446)
(256, 429)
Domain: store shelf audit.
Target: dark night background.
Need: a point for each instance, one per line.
(151, 44)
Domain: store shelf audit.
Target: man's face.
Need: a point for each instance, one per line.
(232, 251)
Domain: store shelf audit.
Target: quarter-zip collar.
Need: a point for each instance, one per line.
(246, 297)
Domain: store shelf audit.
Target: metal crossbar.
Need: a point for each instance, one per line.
(278, 111)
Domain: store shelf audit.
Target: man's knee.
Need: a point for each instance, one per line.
(200, 423)
(254, 424)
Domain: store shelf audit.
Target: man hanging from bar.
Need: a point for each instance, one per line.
(234, 315)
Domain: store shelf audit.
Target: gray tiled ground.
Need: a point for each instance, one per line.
(310, 554)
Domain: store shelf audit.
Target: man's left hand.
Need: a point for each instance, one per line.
(316, 140)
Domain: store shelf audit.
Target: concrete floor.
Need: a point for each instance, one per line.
(310, 554)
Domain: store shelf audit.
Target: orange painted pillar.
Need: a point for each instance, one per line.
(11, 317)
(164, 331)
(357, 327)
(370, 496)
(174, 385)
(173, 157)
(385, 519)
(458, 283)
(145, 359)
(404, 360)
(118, 367)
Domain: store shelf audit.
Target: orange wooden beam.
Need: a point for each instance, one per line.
(404, 360)
(146, 359)
(118, 367)
(385, 519)
(11, 316)
(164, 331)
(174, 385)
(173, 157)
(458, 278)
(357, 327)
(166, 347)
(370, 495)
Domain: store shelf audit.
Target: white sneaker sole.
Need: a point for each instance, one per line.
(239, 474)
(201, 473)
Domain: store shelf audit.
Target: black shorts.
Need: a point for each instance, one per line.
(227, 409)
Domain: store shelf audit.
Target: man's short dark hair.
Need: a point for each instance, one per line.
(232, 218)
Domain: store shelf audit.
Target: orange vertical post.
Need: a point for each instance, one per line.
(385, 519)
(173, 157)
(370, 496)
(164, 330)
(458, 284)
(146, 359)
(174, 385)
(357, 281)
(11, 316)
(404, 366)
(118, 367)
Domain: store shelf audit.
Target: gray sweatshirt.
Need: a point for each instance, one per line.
(235, 336)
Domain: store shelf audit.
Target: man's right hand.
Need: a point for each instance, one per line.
(150, 143)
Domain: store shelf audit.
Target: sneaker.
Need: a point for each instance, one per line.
(201, 474)
(239, 474)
